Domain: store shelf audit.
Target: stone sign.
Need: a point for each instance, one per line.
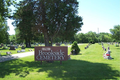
(51, 53)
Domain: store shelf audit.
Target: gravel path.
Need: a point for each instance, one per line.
(15, 56)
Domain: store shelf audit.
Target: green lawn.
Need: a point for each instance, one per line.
(88, 65)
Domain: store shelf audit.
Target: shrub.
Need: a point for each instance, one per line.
(117, 45)
(75, 47)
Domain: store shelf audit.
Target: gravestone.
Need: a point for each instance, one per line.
(11, 43)
(18, 51)
(12, 48)
(2, 44)
(74, 52)
(22, 47)
(107, 55)
(8, 53)
(16, 47)
(87, 46)
(57, 44)
(23, 50)
(105, 49)
(112, 43)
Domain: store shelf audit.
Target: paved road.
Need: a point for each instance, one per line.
(15, 56)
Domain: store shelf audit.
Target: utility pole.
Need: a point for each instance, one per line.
(98, 35)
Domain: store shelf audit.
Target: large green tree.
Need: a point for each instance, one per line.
(116, 32)
(91, 36)
(4, 14)
(24, 21)
(52, 18)
(57, 18)
(105, 37)
(81, 38)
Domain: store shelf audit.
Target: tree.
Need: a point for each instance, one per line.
(81, 38)
(19, 39)
(12, 39)
(116, 32)
(57, 18)
(105, 37)
(75, 48)
(24, 21)
(91, 36)
(52, 18)
(4, 14)
(3, 31)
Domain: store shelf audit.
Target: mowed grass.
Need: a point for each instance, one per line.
(88, 65)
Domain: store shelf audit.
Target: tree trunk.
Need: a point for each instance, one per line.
(47, 40)
(27, 42)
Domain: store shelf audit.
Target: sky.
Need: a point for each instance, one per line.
(98, 15)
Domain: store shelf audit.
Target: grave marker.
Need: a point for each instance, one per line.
(12, 48)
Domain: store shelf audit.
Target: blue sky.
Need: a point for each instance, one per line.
(96, 14)
(102, 14)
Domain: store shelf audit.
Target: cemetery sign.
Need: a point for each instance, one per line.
(51, 53)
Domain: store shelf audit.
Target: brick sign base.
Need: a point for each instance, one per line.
(51, 53)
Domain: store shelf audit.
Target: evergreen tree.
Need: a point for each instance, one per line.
(24, 21)
(75, 49)
(52, 18)
(57, 18)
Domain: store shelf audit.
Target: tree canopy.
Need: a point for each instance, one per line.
(52, 18)
(4, 14)
(116, 32)
(24, 21)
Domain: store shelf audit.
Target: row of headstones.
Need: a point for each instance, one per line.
(112, 43)
(87, 46)
(10, 44)
(15, 47)
(105, 48)
(107, 54)
(9, 53)
(12, 47)
(117, 44)
(18, 51)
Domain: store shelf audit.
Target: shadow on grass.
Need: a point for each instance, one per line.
(4, 49)
(70, 70)
(118, 48)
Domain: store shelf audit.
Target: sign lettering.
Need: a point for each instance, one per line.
(51, 53)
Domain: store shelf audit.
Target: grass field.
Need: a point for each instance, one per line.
(88, 65)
